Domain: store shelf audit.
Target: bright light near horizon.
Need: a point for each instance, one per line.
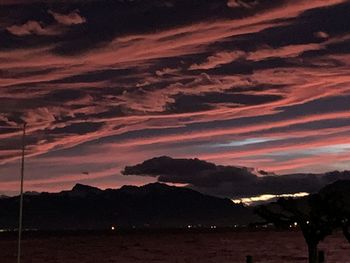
(266, 197)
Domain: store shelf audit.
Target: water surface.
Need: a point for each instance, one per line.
(171, 247)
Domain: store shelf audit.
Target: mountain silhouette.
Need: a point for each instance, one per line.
(341, 187)
(153, 205)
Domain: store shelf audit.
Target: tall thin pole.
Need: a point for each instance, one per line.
(21, 197)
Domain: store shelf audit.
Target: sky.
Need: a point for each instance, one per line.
(105, 84)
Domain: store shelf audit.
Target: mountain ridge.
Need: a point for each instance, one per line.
(154, 205)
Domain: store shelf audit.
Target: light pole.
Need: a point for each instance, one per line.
(21, 196)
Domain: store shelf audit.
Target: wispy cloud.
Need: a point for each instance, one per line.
(31, 28)
(72, 18)
(100, 74)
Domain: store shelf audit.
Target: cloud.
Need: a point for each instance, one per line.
(72, 18)
(141, 79)
(229, 181)
(167, 71)
(321, 34)
(242, 3)
(189, 171)
(211, 100)
(218, 59)
(31, 28)
(285, 51)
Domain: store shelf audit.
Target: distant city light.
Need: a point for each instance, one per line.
(113, 228)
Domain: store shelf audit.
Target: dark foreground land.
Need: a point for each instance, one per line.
(170, 246)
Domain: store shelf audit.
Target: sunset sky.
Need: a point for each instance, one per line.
(105, 84)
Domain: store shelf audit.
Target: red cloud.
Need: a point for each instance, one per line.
(31, 28)
(73, 18)
(154, 70)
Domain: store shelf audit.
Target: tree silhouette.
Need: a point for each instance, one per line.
(336, 204)
(307, 213)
